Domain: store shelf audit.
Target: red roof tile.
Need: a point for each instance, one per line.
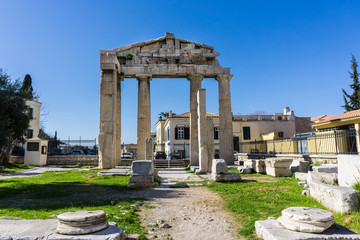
(347, 115)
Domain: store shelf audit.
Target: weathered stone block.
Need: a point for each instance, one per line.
(272, 230)
(278, 171)
(219, 166)
(328, 178)
(249, 163)
(336, 198)
(300, 166)
(81, 222)
(142, 179)
(226, 177)
(260, 166)
(278, 162)
(45, 229)
(142, 167)
(142, 184)
(278, 167)
(306, 219)
(246, 170)
(327, 168)
(301, 176)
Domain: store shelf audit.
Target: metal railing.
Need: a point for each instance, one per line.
(319, 143)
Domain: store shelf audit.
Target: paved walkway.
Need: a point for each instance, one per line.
(32, 172)
(170, 176)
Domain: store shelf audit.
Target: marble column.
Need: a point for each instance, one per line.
(118, 121)
(144, 119)
(195, 84)
(108, 127)
(210, 136)
(149, 149)
(202, 132)
(225, 119)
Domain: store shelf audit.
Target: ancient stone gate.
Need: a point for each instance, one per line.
(164, 57)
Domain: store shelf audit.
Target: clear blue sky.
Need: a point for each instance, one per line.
(281, 53)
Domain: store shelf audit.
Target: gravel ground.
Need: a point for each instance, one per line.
(191, 213)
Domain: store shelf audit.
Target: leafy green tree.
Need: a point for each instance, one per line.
(352, 102)
(14, 116)
(26, 87)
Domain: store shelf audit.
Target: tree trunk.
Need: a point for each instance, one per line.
(5, 154)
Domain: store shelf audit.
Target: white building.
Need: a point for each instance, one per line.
(34, 124)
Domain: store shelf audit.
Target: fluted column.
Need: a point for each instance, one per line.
(195, 84)
(144, 119)
(225, 119)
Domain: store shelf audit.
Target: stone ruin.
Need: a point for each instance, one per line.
(164, 57)
(80, 225)
(303, 223)
(142, 174)
(220, 173)
(321, 184)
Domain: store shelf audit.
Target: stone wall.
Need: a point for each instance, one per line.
(72, 160)
(301, 157)
(17, 159)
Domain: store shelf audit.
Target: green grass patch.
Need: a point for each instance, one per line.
(232, 169)
(16, 167)
(257, 200)
(51, 193)
(188, 170)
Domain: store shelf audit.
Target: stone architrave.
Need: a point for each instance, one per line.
(195, 84)
(225, 119)
(149, 149)
(144, 120)
(109, 115)
(210, 136)
(202, 132)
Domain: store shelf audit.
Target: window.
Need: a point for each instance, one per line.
(246, 133)
(33, 146)
(31, 113)
(182, 133)
(279, 118)
(168, 134)
(281, 134)
(216, 133)
(30, 133)
(43, 150)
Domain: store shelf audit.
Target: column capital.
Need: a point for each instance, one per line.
(196, 77)
(144, 77)
(222, 77)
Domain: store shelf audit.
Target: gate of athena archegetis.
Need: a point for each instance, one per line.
(164, 57)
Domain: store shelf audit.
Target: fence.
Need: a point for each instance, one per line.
(80, 142)
(319, 143)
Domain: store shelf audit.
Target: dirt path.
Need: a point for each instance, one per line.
(187, 213)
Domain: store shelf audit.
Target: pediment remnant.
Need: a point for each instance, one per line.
(166, 56)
